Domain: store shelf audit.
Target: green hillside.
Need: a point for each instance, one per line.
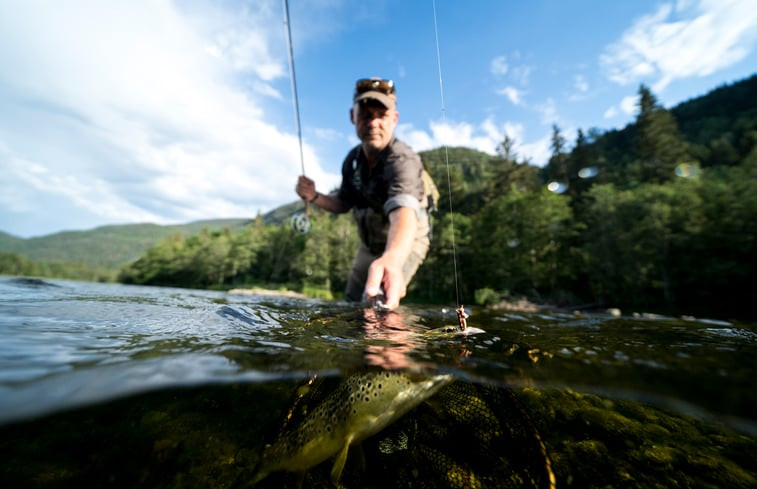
(9, 242)
(283, 213)
(109, 247)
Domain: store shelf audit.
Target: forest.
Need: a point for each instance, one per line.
(658, 216)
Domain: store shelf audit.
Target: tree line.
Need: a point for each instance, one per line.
(19, 265)
(659, 215)
(260, 255)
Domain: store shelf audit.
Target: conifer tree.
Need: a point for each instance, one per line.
(558, 162)
(659, 146)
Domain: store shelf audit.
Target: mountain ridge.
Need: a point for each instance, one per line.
(109, 246)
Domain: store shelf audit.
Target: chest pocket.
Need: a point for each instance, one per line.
(364, 194)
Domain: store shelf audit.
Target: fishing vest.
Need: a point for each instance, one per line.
(368, 194)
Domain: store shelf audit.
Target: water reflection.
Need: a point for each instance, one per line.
(390, 339)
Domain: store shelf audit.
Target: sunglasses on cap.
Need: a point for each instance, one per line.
(374, 84)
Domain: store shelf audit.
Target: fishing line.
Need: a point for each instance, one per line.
(300, 221)
(446, 154)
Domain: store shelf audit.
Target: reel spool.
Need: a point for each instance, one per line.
(301, 223)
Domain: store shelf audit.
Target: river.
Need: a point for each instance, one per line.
(126, 386)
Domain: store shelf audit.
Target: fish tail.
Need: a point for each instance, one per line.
(258, 476)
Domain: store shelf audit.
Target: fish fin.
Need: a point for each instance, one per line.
(336, 471)
(360, 454)
(300, 479)
(258, 476)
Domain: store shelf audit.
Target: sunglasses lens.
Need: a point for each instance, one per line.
(368, 84)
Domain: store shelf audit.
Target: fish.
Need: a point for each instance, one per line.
(360, 406)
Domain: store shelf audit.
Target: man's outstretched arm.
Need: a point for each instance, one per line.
(386, 270)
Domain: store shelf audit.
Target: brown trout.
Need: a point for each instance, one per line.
(360, 406)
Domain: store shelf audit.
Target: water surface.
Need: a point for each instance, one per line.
(162, 387)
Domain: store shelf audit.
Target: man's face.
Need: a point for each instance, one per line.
(374, 124)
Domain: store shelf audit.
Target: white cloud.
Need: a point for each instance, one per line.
(242, 49)
(580, 88)
(628, 104)
(694, 38)
(418, 139)
(513, 94)
(548, 112)
(580, 84)
(537, 152)
(330, 135)
(499, 66)
(484, 137)
(522, 74)
(449, 134)
(135, 111)
(514, 131)
(519, 74)
(86, 192)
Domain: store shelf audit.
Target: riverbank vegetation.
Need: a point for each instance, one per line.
(18, 265)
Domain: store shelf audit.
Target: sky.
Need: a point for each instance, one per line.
(163, 111)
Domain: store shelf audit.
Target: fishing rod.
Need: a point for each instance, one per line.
(300, 220)
(461, 315)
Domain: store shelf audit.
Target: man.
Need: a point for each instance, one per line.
(382, 182)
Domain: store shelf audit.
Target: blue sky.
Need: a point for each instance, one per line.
(116, 112)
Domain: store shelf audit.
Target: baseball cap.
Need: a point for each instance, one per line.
(376, 89)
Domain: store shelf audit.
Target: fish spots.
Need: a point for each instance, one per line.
(359, 407)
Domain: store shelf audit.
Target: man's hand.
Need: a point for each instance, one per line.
(386, 272)
(305, 188)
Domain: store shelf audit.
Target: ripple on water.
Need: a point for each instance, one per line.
(735, 333)
(57, 338)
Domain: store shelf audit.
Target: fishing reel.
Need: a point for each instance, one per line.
(301, 223)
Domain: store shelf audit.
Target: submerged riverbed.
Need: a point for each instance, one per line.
(124, 386)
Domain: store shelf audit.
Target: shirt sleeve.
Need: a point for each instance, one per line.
(404, 174)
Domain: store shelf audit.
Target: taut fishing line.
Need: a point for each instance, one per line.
(300, 220)
(446, 157)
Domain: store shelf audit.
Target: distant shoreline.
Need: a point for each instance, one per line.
(268, 293)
